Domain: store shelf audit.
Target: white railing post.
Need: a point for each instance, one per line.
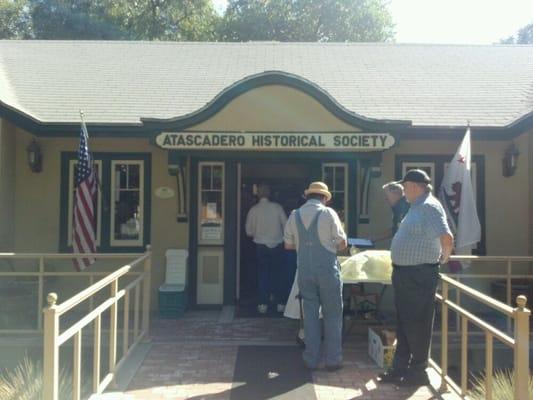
(113, 328)
(521, 350)
(508, 290)
(51, 349)
(444, 337)
(147, 289)
(40, 294)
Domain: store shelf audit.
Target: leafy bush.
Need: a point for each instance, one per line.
(502, 386)
(25, 382)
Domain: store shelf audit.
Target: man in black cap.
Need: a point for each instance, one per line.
(423, 242)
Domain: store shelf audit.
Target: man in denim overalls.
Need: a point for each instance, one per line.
(316, 233)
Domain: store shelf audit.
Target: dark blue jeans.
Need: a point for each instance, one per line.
(287, 274)
(269, 266)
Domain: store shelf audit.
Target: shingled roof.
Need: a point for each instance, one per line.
(122, 82)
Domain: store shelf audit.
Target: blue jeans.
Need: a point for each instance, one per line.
(269, 265)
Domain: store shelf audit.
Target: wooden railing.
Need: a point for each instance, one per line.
(54, 337)
(41, 274)
(518, 340)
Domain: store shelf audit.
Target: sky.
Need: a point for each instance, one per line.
(454, 21)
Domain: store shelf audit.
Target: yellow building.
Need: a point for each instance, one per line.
(181, 133)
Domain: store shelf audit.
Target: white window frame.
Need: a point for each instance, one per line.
(332, 190)
(126, 242)
(71, 165)
(202, 164)
(413, 164)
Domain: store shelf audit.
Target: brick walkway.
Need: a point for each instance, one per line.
(194, 357)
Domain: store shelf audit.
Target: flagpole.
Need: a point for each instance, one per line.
(93, 163)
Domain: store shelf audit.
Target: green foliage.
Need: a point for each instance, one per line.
(197, 20)
(109, 19)
(524, 36)
(14, 20)
(307, 20)
(502, 387)
(67, 20)
(25, 382)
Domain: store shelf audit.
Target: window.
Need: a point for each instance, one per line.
(335, 175)
(427, 167)
(211, 203)
(126, 203)
(435, 166)
(123, 198)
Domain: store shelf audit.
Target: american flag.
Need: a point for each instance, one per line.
(83, 231)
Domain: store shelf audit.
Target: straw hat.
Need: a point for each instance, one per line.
(319, 188)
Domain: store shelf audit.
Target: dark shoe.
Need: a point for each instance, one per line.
(333, 368)
(390, 376)
(417, 380)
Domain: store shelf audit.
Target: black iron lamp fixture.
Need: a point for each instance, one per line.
(510, 160)
(35, 157)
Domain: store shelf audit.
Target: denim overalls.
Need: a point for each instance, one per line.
(320, 285)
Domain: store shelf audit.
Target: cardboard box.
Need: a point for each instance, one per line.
(381, 346)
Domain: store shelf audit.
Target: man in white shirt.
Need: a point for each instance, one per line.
(265, 223)
(315, 231)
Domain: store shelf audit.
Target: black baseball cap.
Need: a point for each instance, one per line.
(416, 175)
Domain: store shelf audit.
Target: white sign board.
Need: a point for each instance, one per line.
(253, 141)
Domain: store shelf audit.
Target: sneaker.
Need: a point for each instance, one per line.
(416, 380)
(262, 308)
(389, 376)
(281, 308)
(333, 368)
(300, 338)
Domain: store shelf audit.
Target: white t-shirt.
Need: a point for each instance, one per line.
(330, 231)
(265, 222)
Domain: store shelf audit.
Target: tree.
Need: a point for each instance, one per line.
(307, 20)
(524, 36)
(123, 19)
(14, 20)
(71, 20)
(166, 19)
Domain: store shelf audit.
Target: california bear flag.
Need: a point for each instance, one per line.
(457, 197)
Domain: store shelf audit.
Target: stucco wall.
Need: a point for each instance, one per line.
(7, 185)
(507, 204)
(274, 108)
(37, 198)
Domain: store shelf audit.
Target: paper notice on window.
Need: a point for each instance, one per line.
(211, 211)
(211, 232)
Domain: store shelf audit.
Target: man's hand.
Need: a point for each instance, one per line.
(446, 243)
(289, 246)
(342, 245)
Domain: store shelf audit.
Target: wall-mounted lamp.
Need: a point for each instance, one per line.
(510, 160)
(35, 157)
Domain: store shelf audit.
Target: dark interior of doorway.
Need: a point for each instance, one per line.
(287, 182)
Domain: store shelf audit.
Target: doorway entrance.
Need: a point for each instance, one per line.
(287, 182)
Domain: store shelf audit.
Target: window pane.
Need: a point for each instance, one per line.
(121, 176)
(339, 178)
(217, 177)
(211, 206)
(206, 177)
(134, 172)
(127, 216)
(328, 177)
(127, 202)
